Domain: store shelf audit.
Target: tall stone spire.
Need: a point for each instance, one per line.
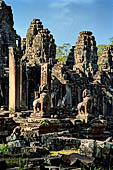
(8, 39)
(85, 53)
(39, 44)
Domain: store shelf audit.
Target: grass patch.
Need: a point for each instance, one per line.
(44, 123)
(66, 152)
(16, 162)
(4, 149)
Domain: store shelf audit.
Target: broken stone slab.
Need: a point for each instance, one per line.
(98, 149)
(72, 159)
(13, 138)
(15, 135)
(23, 114)
(4, 113)
(17, 144)
(52, 167)
(6, 127)
(34, 144)
(60, 143)
(35, 151)
(87, 147)
(36, 168)
(45, 137)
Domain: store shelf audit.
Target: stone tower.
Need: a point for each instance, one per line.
(85, 53)
(106, 59)
(70, 59)
(8, 38)
(39, 45)
(38, 48)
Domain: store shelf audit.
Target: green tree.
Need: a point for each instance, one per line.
(62, 52)
(101, 47)
(111, 40)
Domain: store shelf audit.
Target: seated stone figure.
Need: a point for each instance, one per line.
(36, 104)
(85, 107)
(64, 101)
(40, 104)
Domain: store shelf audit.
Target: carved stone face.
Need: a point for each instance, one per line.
(79, 59)
(79, 56)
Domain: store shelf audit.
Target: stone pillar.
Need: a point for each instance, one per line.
(104, 106)
(7, 96)
(79, 95)
(68, 93)
(95, 105)
(21, 85)
(98, 105)
(12, 80)
(27, 90)
(18, 86)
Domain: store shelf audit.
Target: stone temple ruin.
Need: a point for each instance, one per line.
(51, 103)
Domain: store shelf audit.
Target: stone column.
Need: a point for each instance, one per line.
(27, 90)
(7, 95)
(68, 93)
(21, 85)
(98, 105)
(18, 86)
(79, 95)
(12, 80)
(104, 106)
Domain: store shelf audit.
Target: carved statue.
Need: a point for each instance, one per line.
(64, 100)
(44, 102)
(36, 104)
(53, 98)
(40, 104)
(85, 107)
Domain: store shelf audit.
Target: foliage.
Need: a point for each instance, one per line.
(101, 47)
(14, 162)
(44, 123)
(4, 149)
(23, 164)
(62, 52)
(111, 40)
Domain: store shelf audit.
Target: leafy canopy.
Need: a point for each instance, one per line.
(101, 47)
(62, 52)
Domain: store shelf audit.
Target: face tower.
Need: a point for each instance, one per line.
(85, 53)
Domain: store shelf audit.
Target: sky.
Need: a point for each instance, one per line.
(65, 18)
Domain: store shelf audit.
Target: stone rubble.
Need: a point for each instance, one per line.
(47, 105)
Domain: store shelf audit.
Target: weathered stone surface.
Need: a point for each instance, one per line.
(85, 53)
(39, 44)
(76, 98)
(105, 60)
(6, 127)
(72, 159)
(87, 147)
(85, 107)
(8, 38)
(60, 143)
